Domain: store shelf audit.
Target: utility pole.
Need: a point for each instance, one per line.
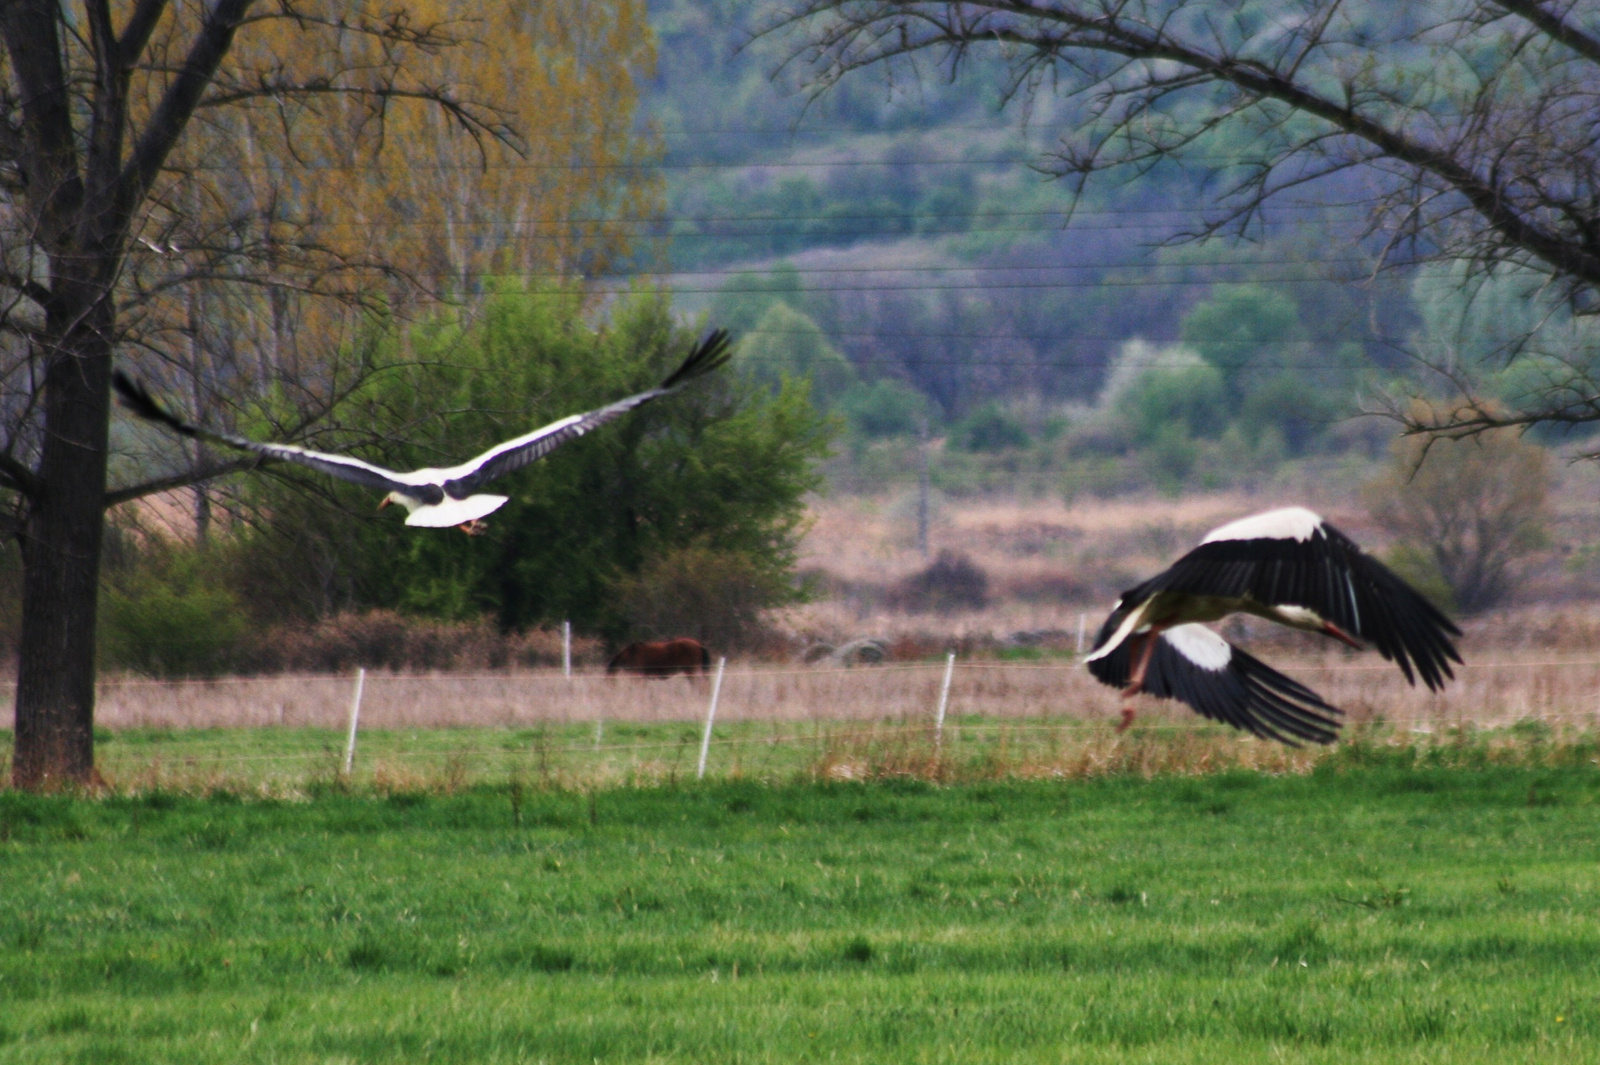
(922, 486)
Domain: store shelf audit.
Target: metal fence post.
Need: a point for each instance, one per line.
(944, 701)
(711, 716)
(355, 717)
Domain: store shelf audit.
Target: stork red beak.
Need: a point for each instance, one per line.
(1339, 634)
(384, 502)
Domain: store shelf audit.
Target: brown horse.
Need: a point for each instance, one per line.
(662, 658)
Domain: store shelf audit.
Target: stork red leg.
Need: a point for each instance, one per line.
(1140, 648)
(474, 527)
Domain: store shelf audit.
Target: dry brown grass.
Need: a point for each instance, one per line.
(1047, 561)
(1495, 689)
(1050, 562)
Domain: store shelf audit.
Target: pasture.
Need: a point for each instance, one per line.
(1391, 903)
(524, 868)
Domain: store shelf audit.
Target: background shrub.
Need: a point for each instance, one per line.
(952, 582)
(717, 597)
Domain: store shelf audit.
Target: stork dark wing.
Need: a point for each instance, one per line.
(1328, 574)
(138, 399)
(1194, 665)
(502, 459)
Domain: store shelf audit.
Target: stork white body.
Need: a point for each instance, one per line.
(450, 513)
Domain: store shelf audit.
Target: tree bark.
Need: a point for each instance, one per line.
(61, 544)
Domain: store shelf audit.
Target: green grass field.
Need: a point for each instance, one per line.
(1374, 909)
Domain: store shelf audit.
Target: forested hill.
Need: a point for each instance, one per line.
(913, 224)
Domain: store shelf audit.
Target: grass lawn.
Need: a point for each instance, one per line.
(1359, 913)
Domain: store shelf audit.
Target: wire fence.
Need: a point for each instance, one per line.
(1486, 693)
(277, 733)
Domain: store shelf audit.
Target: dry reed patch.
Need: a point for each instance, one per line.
(1047, 561)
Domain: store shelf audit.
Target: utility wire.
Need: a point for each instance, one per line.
(601, 285)
(743, 271)
(976, 212)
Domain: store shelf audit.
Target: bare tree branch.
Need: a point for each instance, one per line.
(1558, 25)
(16, 476)
(1470, 123)
(171, 115)
(141, 24)
(25, 285)
(184, 479)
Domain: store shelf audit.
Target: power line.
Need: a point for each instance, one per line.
(831, 130)
(1020, 158)
(765, 274)
(651, 165)
(909, 215)
(599, 286)
(894, 226)
(1071, 337)
(1177, 213)
(809, 270)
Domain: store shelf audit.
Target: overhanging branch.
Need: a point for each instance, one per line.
(178, 480)
(16, 476)
(25, 285)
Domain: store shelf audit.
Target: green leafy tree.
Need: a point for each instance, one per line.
(1296, 407)
(1189, 400)
(167, 607)
(1246, 331)
(886, 407)
(1275, 378)
(741, 302)
(785, 345)
(989, 428)
(1506, 337)
(717, 597)
(724, 466)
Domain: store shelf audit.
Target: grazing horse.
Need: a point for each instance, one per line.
(662, 658)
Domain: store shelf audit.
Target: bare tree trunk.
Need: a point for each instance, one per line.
(61, 558)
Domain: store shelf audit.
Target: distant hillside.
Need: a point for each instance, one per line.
(926, 243)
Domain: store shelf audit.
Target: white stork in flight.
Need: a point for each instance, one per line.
(1287, 566)
(440, 498)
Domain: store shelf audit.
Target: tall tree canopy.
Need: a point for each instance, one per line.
(722, 467)
(1466, 127)
(210, 187)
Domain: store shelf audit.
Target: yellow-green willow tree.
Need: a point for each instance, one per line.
(214, 191)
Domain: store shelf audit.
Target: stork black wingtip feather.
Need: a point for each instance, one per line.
(710, 354)
(138, 399)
